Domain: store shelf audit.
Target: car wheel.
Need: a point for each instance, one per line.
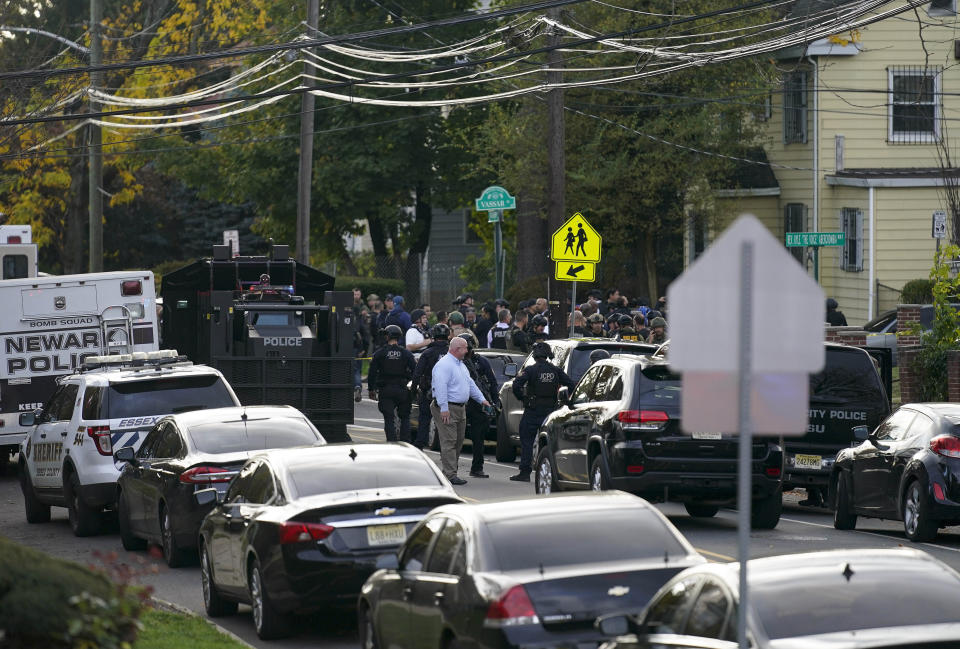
(917, 522)
(268, 622)
(699, 510)
(546, 477)
(215, 605)
(368, 635)
(598, 477)
(765, 512)
(36, 511)
(506, 451)
(127, 537)
(843, 516)
(173, 554)
(84, 520)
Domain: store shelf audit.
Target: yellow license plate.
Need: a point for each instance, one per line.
(807, 461)
(386, 534)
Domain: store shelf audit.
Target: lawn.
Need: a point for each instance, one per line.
(166, 630)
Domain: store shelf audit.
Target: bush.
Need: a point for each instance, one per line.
(917, 291)
(367, 285)
(529, 289)
(52, 603)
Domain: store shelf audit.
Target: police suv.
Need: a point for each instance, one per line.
(67, 458)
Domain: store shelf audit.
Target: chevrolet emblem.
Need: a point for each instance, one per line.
(385, 511)
(618, 591)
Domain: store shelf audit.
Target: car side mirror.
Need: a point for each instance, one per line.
(388, 561)
(563, 395)
(613, 625)
(28, 419)
(861, 433)
(510, 370)
(207, 497)
(125, 454)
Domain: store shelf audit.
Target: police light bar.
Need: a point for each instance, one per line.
(136, 359)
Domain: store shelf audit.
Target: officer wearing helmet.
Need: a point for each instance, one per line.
(390, 369)
(537, 386)
(598, 355)
(538, 325)
(613, 324)
(423, 376)
(478, 419)
(625, 330)
(658, 333)
(595, 326)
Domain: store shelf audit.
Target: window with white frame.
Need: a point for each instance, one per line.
(914, 104)
(795, 220)
(795, 107)
(851, 223)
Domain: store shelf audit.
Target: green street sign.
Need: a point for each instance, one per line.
(815, 239)
(494, 215)
(495, 198)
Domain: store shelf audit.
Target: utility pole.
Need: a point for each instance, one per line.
(95, 142)
(556, 176)
(305, 177)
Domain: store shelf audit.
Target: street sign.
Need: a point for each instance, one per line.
(815, 239)
(493, 216)
(575, 240)
(495, 198)
(939, 224)
(575, 271)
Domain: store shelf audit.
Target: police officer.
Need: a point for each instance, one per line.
(542, 380)
(598, 355)
(626, 330)
(390, 369)
(423, 376)
(595, 326)
(658, 335)
(519, 338)
(478, 420)
(538, 325)
(499, 334)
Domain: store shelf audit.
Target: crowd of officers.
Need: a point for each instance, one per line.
(397, 377)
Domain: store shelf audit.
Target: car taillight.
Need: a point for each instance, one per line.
(302, 532)
(772, 471)
(101, 439)
(513, 608)
(643, 419)
(131, 287)
(206, 474)
(946, 445)
(634, 468)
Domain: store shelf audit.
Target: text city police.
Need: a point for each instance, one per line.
(32, 348)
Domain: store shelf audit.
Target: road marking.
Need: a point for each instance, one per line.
(485, 462)
(371, 429)
(882, 536)
(715, 554)
(375, 421)
(369, 439)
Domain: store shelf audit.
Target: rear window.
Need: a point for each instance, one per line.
(566, 539)
(271, 319)
(319, 477)
(809, 605)
(252, 435)
(580, 357)
(846, 375)
(658, 384)
(167, 396)
(15, 266)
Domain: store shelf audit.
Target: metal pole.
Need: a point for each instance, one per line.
(498, 252)
(556, 159)
(95, 149)
(743, 459)
(573, 306)
(305, 176)
(816, 264)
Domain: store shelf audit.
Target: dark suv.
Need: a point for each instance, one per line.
(620, 429)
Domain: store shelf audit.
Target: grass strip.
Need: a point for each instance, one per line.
(166, 630)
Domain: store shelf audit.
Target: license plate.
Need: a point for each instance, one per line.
(807, 461)
(386, 534)
(705, 435)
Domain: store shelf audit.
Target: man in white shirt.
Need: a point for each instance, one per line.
(499, 334)
(417, 336)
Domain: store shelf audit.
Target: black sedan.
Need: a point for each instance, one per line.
(189, 452)
(533, 573)
(301, 529)
(844, 599)
(907, 469)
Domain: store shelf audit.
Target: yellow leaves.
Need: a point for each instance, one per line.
(854, 38)
(126, 195)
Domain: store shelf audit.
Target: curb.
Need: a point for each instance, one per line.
(164, 605)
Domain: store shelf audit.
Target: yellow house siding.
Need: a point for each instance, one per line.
(850, 288)
(904, 246)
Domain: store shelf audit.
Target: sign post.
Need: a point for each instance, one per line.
(575, 247)
(232, 238)
(494, 200)
(761, 384)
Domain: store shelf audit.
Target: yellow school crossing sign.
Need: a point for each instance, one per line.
(575, 271)
(575, 246)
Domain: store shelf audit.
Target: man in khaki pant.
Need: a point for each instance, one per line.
(452, 387)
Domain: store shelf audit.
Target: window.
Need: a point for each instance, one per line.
(310, 477)
(170, 444)
(260, 490)
(602, 390)
(895, 425)
(91, 402)
(252, 434)
(795, 107)
(851, 223)
(415, 552)
(922, 427)
(795, 220)
(581, 393)
(914, 104)
(150, 442)
(60, 406)
(241, 484)
(166, 396)
(709, 612)
(15, 266)
(667, 614)
(446, 549)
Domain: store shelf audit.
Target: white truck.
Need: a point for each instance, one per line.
(18, 255)
(48, 325)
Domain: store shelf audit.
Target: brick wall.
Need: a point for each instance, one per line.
(909, 381)
(907, 314)
(845, 335)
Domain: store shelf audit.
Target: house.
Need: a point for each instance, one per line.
(451, 241)
(856, 135)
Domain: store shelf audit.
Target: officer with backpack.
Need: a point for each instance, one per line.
(423, 377)
(537, 386)
(390, 369)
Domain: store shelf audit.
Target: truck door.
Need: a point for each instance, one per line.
(51, 435)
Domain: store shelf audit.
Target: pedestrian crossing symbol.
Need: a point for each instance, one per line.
(575, 240)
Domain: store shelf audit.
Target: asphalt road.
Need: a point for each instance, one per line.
(800, 530)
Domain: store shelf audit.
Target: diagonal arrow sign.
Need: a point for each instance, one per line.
(573, 270)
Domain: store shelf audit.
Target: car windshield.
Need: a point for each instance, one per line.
(311, 477)
(811, 604)
(565, 539)
(580, 357)
(251, 435)
(167, 396)
(658, 384)
(497, 363)
(847, 374)
(881, 322)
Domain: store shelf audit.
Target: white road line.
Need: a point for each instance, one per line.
(375, 421)
(358, 427)
(882, 536)
(466, 459)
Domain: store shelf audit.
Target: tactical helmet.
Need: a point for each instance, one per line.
(542, 350)
(440, 331)
(595, 317)
(455, 317)
(625, 321)
(394, 332)
(538, 321)
(658, 322)
(598, 355)
(471, 340)
(613, 318)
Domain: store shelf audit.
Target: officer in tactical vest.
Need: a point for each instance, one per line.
(626, 330)
(478, 418)
(658, 335)
(499, 335)
(422, 377)
(390, 369)
(595, 326)
(538, 324)
(537, 387)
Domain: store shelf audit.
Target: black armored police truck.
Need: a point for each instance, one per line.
(274, 327)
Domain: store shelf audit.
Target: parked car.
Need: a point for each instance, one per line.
(882, 330)
(620, 429)
(533, 573)
(187, 453)
(907, 469)
(573, 357)
(301, 529)
(819, 600)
